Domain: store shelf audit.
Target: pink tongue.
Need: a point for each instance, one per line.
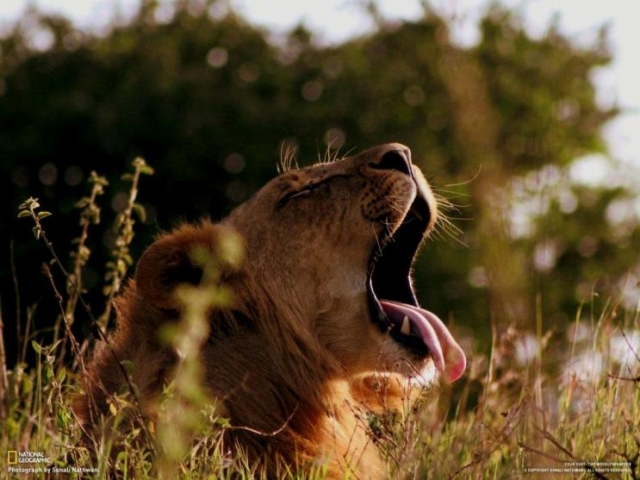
(447, 355)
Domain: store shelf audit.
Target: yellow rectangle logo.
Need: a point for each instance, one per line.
(12, 457)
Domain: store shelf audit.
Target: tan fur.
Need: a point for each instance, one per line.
(296, 355)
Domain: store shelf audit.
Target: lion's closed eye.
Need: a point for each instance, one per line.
(306, 189)
(302, 192)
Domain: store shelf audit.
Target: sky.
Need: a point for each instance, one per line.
(336, 20)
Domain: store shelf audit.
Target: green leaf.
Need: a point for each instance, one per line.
(29, 204)
(147, 170)
(48, 373)
(129, 366)
(138, 163)
(95, 216)
(42, 215)
(24, 213)
(83, 202)
(97, 179)
(62, 421)
(223, 422)
(140, 211)
(36, 346)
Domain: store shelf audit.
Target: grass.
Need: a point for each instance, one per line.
(535, 406)
(527, 421)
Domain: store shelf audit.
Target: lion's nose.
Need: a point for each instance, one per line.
(395, 159)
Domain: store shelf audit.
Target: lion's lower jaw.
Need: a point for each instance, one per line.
(420, 373)
(426, 378)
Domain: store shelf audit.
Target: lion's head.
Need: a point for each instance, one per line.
(338, 240)
(324, 295)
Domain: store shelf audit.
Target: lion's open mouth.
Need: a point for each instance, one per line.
(393, 302)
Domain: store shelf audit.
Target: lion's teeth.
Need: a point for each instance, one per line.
(406, 326)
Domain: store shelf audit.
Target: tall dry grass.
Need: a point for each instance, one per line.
(538, 404)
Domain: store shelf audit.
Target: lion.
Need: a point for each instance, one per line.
(323, 320)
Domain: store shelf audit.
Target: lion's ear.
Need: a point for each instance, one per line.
(170, 262)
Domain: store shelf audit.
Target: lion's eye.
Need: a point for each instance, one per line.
(301, 192)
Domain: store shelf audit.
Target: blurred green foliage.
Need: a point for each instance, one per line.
(211, 101)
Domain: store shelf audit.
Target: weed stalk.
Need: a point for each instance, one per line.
(121, 258)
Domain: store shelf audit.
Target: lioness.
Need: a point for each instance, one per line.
(323, 308)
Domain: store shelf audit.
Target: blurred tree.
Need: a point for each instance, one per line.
(210, 101)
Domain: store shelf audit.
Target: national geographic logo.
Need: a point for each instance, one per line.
(15, 457)
(26, 463)
(37, 463)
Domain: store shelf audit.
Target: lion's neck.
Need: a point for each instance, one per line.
(289, 402)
